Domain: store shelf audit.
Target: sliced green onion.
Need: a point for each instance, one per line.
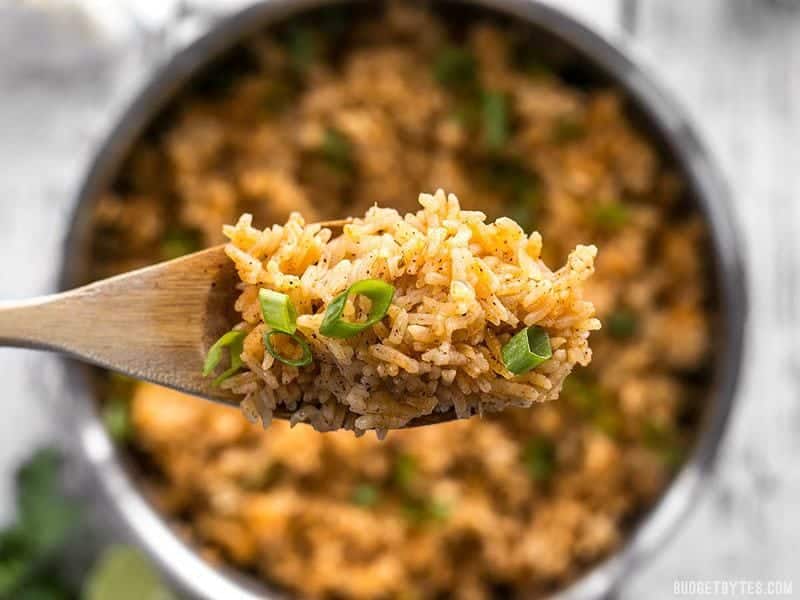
(495, 119)
(379, 292)
(608, 421)
(438, 510)
(621, 324)
(278, 311)
(337, 150)
(303, 48)
(234, 341)
(425, 511)
(365, 495)
(455, 68)
(584, 394)
(305, 358)
(414, 511)
(539, 458)
(280, 314)
(526, 350)
(665, 441)
(405, 470)
(179, 242)
(611, 216)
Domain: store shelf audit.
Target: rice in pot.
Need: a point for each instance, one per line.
(516, 504)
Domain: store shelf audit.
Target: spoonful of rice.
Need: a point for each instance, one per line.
(378, 322)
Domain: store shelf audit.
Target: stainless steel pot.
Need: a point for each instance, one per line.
(657, 112)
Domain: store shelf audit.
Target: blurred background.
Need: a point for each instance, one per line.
(69, 67)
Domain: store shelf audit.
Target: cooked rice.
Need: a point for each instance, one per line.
(463, 287)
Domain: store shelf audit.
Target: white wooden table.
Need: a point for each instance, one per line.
(67, 67)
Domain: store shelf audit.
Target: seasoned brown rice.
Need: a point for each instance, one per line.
(463, 287)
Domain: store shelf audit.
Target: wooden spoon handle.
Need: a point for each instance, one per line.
(102, 323)
(154, 324)
(35, 323)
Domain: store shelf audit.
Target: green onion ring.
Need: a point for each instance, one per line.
(234, 341)
(304, 360)
(526, 350)
(378, 291)
(278, 311)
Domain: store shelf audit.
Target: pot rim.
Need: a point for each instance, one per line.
(178, 561)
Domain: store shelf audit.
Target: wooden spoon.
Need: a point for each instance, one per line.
(155, 324)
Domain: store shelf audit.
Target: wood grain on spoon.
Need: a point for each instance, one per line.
(155, 323)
